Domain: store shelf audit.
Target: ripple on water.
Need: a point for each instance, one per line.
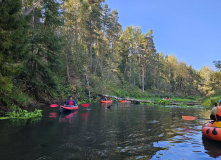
(179, 150)
(133, 132)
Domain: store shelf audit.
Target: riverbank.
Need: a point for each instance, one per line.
(141, 99)
(160, 101)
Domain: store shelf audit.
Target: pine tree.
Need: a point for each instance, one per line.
(13, 45)
(43, 69)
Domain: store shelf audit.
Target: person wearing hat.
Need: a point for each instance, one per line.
(71, 101)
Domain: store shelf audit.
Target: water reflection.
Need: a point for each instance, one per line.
(53, 115)
(124, 104)
(67, 116)
(213, 148)
(84, 116)
(106, 104)
(125, 131)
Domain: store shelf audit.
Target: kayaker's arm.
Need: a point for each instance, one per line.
(74, 103)
(67, 103)
(214, 110)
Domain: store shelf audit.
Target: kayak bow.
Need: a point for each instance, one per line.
(68, 108)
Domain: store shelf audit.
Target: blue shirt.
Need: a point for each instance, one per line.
(74, 103)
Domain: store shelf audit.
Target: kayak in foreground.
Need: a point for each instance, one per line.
(68, 108)
(107, 101)
(212, 130)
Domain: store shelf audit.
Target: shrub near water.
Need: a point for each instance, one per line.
(163, 102)
(23, 114)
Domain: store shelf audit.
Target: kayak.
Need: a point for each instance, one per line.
(125, 101)
(107, 101)
(68, 108)
(212, 130)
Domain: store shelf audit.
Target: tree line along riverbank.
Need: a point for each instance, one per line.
(81, 49)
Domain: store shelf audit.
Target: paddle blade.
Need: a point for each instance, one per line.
(190, 118)
(54, 105)
(84, 105)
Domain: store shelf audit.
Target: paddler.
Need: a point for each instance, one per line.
(71, 102)
(216, 113)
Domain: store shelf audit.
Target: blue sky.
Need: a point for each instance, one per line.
(188, 29)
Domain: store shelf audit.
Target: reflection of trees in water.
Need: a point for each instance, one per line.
(117, 133)
(18, 122)
(105, 104)
(148, 127)
(124, 104)
(132, 132)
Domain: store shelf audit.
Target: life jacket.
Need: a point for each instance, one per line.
(218, 114)
(70, 103)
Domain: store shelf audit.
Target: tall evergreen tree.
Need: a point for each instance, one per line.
(13, 45)
(43, 69)
(90, 51)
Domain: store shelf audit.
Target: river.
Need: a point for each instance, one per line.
(123, 131)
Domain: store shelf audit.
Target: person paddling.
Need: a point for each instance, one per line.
(71, 102)
(216, 113)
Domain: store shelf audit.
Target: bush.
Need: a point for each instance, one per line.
(210, 101)
(163, 102)
(192, 97)
(23, 114)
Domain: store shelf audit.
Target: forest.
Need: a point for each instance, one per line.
(50, 49)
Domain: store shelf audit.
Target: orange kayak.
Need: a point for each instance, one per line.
(125, 101)
(68, 108)
(212, 130)
(108, 101)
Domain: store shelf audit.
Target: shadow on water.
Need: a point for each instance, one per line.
(212, 148)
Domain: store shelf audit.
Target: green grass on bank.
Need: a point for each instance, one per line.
(173, 98)
(158, 97)
(209, 101)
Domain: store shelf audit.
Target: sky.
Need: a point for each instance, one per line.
(188, 29)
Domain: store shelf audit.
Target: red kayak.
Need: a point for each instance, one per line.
(125, 101)
(68, 108)
(108, 101)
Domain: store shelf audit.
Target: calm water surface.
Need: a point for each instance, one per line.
(125, 131)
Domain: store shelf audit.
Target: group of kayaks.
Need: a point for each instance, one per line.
(73, 108)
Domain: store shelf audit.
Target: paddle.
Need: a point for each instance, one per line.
(190, 118)
(85, 105)
(54, 105)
